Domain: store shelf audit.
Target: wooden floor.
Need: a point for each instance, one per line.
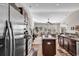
(37, 44)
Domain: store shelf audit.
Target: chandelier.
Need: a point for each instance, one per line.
(49, 21)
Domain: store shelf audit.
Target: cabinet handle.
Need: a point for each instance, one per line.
(48, 43)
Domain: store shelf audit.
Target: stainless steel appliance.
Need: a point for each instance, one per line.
(18, 26)
(3, 26)
(13, 38)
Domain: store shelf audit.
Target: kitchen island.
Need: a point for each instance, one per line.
(48, 45)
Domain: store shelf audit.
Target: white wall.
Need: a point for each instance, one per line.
(72, 20)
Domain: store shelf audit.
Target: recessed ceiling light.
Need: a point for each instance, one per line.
(57, 4)
(37, 5)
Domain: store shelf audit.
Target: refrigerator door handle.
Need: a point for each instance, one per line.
(10, 37)
(13, 41)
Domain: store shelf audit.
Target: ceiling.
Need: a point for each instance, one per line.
(55, 12)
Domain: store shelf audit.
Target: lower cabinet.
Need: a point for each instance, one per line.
(61, 41)
(49, 47)
(70, 45)
(66, 43)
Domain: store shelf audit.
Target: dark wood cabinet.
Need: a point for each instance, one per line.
(69, 44)
(66, 43)
(72, 47)
(49, 47)
(61, 41)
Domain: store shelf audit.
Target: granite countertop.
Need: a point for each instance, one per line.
(49, 37)
(77, 39)
(64, 35)
(72, 38)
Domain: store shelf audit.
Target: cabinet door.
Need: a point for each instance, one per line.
(62, 40)
(66, 43)
(59, 40)
(72, 47)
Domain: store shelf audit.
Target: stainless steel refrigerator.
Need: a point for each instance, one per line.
(18, 39)
(14, 41)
